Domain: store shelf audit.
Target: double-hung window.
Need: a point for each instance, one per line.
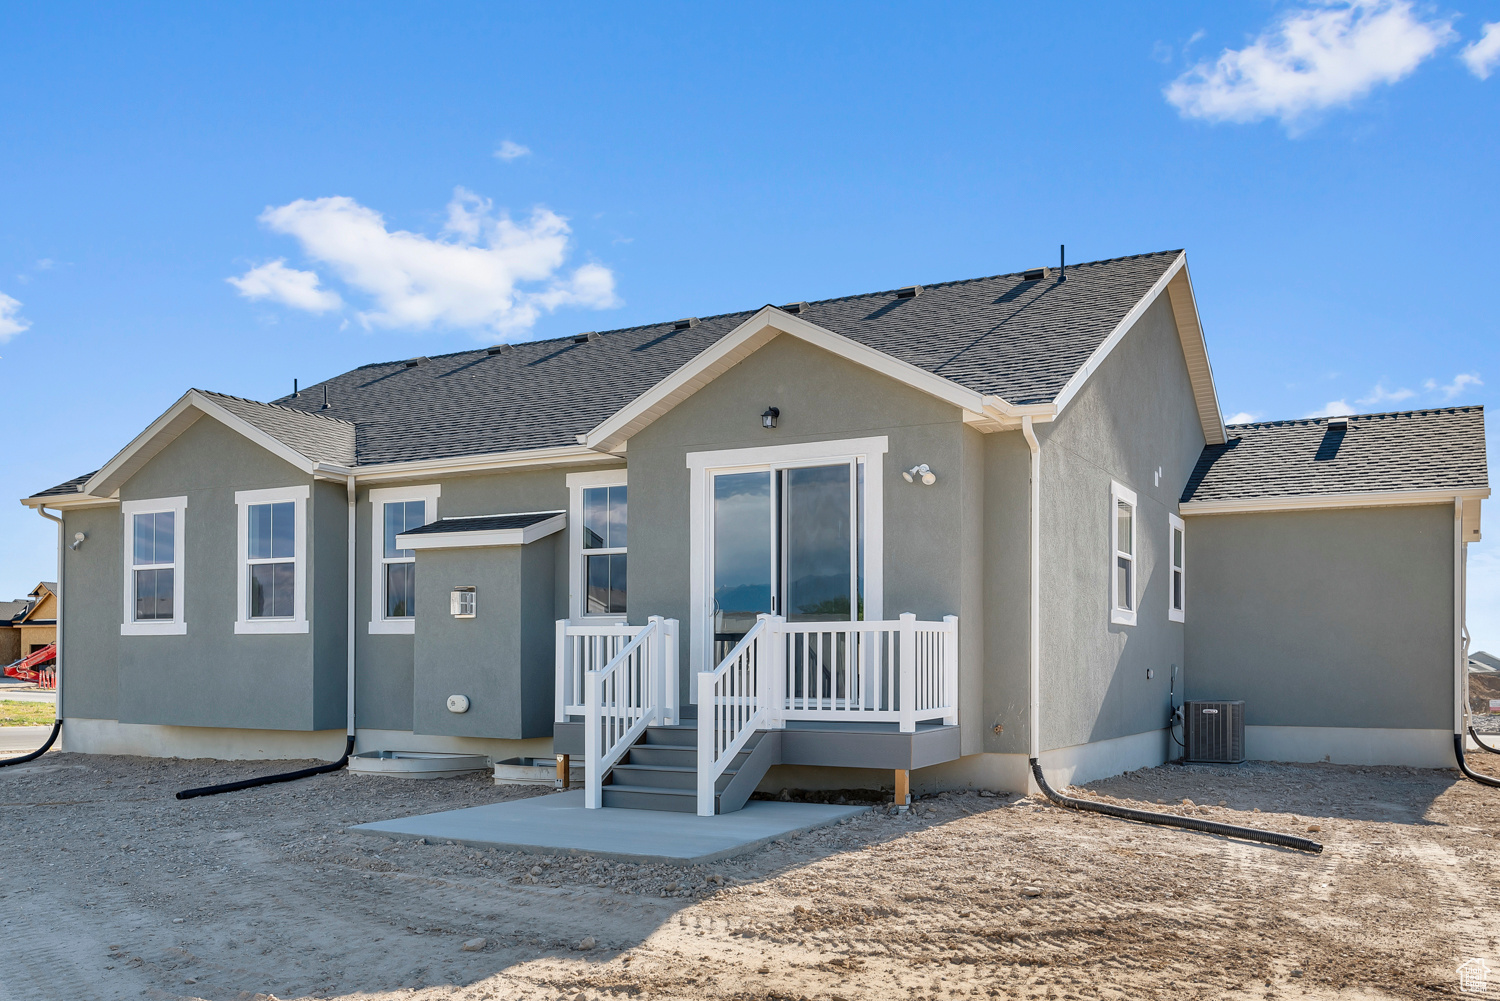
(597, 528)
(1177, 600)
(1122, 538)
(153, 566)
(393, 580)
(272, 587)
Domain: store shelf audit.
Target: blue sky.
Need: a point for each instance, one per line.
(384, 181)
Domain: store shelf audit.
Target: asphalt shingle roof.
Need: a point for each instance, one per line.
(1001, 335)
(67, 487)
(1411, 450)
(483, 523)
(320, 437)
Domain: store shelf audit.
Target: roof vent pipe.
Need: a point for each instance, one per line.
(325, 397)
(295, 394)
(1062, 262)
(909, 292)
(1338, 423)
(499, 349)
(685, 323)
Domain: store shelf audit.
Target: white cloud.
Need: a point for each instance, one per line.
(1379, 394)
(473, 275)
(509, 151)
(1333, 408)
(1316, 57)
(1243, 417)
(1483, 54)
(11, 322)
(1460, 382)
(288, 286)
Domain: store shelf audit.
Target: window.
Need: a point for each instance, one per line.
(1179, 583)
(597, 530)
(153, 567)
(272, 560)
(1122, 543)
(393, 581)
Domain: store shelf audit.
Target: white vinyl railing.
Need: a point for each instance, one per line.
(902, 672)
(635, 689)
(583, 647)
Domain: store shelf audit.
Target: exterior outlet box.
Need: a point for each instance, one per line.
(1214, 732)
(463, 602)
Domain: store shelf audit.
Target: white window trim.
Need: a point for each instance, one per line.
(177, 625)
(379, 624)
(577, 484)
(244, 499)
(1117, 615)
(1176, 524)
(703, 465)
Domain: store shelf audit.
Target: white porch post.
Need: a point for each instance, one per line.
(656, 675)
(706, 709)
(670, 705)
(950, 669)
(908, 692)
(562, 670)
(593, 794)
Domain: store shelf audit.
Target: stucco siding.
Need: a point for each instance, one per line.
(212, 676)
(822, 397)
(92, 578)
(1135, 415)
(1005, 717)
(327, 589)
(1324, 618)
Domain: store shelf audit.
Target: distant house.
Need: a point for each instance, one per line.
(941, 529)
(28, 624)
(1483, 663)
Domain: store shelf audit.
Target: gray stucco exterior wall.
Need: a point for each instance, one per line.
(822, 397)
(92, 578)
(212, 676)
(1007, 666)
(1134, 416)
(1337, 618)
(501, 659)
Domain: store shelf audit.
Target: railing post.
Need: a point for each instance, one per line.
(562, 669)
(908, 690)
(593, 795)
(706, 725)
(657, 672)
(672, 700)
(950, 668)
(776, 683)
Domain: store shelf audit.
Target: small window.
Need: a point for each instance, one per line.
(604, 570)
(1123, 545)
(393, 583)
(1175, 610)
(153, 566)
(272, 548)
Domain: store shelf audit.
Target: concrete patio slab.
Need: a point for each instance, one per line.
(559, 824)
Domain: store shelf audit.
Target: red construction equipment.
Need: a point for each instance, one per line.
(39, 666)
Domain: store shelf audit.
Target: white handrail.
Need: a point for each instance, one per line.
(583, 647)
(620, 701)
(733, 702)
(903, 672)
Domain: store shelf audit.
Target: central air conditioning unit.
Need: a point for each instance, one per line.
(1214, 732)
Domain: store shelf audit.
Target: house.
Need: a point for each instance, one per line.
(28, 624)
(938, 530)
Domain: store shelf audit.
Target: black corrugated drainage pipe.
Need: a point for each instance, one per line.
(1492, 750)
(1463, 766)
(1169, 820)
(56, 726)
(266, 780)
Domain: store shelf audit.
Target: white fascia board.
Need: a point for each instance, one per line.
(1184, 302)
(490, 537)
(565, 455)
(743, 341)
(70, 502)
(1325, 502)
(1203, 388)
(171, 424)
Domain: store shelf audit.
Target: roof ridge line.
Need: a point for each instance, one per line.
(278, 406)
(1289, 421)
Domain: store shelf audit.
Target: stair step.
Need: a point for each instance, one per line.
(651, 798)
(667, 776)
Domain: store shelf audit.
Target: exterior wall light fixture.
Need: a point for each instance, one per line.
(922, 472)
(78, 538)
(768, 419)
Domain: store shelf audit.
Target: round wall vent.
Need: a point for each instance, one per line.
(458, 703)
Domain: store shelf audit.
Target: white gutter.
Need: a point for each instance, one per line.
(351, 587)
(59, 663)
(1035, 597)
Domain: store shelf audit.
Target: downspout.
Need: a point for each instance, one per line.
(303, 773)
(1072, 802)
(58, 721)
(1034, 557)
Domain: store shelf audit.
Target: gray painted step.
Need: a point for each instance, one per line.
(660, 772)
(651, 798)
(664, 776)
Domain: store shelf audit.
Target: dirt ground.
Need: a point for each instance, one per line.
(113, 889)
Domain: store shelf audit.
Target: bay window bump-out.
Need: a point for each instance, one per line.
(153, 564)
(272, 565)
(393, 571)
(598, 524)
(1123, 516)
(1176, 549)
